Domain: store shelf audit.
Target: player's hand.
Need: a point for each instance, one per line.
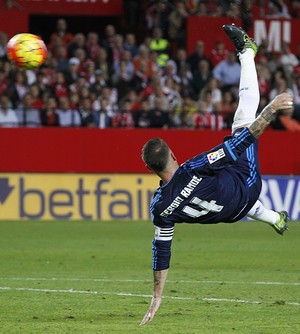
(154, 306)
(281, 102)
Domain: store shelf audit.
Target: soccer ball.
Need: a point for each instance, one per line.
(26, 51)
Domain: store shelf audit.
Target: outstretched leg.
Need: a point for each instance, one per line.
(278, 220)
(248, 90)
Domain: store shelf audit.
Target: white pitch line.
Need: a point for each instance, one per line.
(141, 281)
(124, 294)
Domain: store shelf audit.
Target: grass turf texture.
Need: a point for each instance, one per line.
(87, 277)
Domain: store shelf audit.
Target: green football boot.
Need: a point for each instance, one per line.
(281, 225)
(240, 38)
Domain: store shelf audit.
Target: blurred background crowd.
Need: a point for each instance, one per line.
(120, 79)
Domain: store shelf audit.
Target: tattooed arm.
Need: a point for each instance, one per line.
(282, 101)
(160, 277)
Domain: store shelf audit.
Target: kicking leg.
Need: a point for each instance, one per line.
(248, 92)
(278, 220)
(248, 89)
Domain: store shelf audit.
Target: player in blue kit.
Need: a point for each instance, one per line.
(221, 185)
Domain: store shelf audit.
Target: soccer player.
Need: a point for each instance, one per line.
(220, 185)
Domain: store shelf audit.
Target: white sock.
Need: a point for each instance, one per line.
(248, 92)
(259, 212)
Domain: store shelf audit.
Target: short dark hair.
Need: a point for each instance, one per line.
(155, 154)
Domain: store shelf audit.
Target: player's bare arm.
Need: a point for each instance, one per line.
(282, 101)
(159, 278)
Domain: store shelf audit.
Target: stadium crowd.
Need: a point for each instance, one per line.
(115, 80)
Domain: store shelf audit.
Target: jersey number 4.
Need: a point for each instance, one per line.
(205, 207)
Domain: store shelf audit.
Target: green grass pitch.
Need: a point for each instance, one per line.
(96, 277)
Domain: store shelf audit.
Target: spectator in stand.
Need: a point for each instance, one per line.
(143, 56)
(206, 101)
(60, 86)
(277, 9)
(195, 57)
(37, 97)
(227, 108)
(60, 36)
(182, 117)
(199, 119)
(263, 77)
(67, 117)
(176, 24)
(217, 11)
(281, 86)
(107, 40)
(27, 115)
(170, 72)
(201, 76)
(104, 115)
(74, 101)
(288, 61)
(186, 82)
(192, 6)
(180, 58)
(8, 117)
(158, 115)
(130, 44)
(171, 92)
(84, 93)
(61, 56)
(126, 59)
(135, 100)
(93, 45)
(73, 71)
(48, 114)
(18, 87)
(234, 11)
(123, 73)
(227, 72)
(141, 78)
(42, 84)
(104, 64)
(204, 118)
(48, 70)
(88, 72)
(117, 48)
(161, 45)
(156, 13)
(156, 91)
(79, 85)
(295, 9)
(111, 97)
(86, 112)
(123, 117)
(246, 13)
(81, 55)
(218, 53)
(141, 116)
(79, 42)
(99, 83)
(216, 93)
(265, 55)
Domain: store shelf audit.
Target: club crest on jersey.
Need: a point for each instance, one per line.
(215, 156)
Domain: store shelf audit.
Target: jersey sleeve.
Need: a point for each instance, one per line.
(224, 154)
(161, 247)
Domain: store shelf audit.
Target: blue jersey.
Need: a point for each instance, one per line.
(220, 185)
